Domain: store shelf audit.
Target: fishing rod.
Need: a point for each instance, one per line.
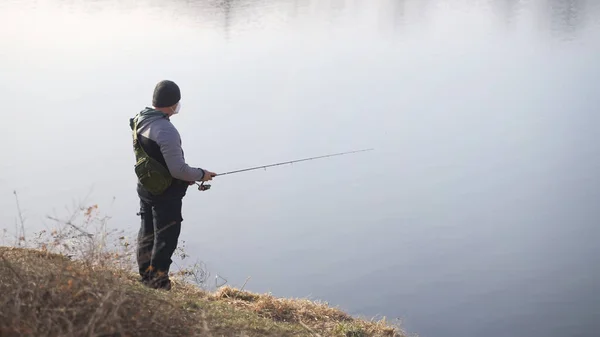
(203, 187)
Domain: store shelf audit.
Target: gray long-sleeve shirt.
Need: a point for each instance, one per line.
(156, 132)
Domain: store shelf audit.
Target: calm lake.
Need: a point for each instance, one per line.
(477, 214)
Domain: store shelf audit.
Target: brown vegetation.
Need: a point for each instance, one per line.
(72, 284)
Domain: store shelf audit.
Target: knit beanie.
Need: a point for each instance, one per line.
(166, 94)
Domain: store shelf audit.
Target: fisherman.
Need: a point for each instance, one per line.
(163, 179)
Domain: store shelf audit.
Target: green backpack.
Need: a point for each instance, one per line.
(150, 172)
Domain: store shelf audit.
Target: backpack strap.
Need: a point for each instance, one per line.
(136, 144)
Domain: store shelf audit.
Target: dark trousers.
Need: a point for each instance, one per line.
(158, 235)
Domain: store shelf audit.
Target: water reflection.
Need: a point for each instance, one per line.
(226, 7)
(337, 7)
(508, 10)
(299, 8)
(399, 12)
(567, 17)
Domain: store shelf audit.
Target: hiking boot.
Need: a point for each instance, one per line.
(147, 276)
(145, 280)
(161, 281)
(162, 284)
(155, 279)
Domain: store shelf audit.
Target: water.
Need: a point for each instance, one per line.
(476, 215)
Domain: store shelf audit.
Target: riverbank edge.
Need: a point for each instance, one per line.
(50, 294)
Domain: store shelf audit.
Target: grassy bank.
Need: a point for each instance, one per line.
(77, 279)
(47, 294)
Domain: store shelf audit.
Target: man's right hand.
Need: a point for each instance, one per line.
(208, 175)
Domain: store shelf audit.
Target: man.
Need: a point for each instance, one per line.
(157, 142)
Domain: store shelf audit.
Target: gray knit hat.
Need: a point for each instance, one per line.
(166, 93)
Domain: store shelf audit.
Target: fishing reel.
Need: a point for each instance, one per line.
(202, 187)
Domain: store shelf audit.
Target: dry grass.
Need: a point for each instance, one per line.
(319, 318)
(43, 294)
(70, 282)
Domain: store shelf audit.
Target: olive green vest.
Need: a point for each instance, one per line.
(153, 176)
